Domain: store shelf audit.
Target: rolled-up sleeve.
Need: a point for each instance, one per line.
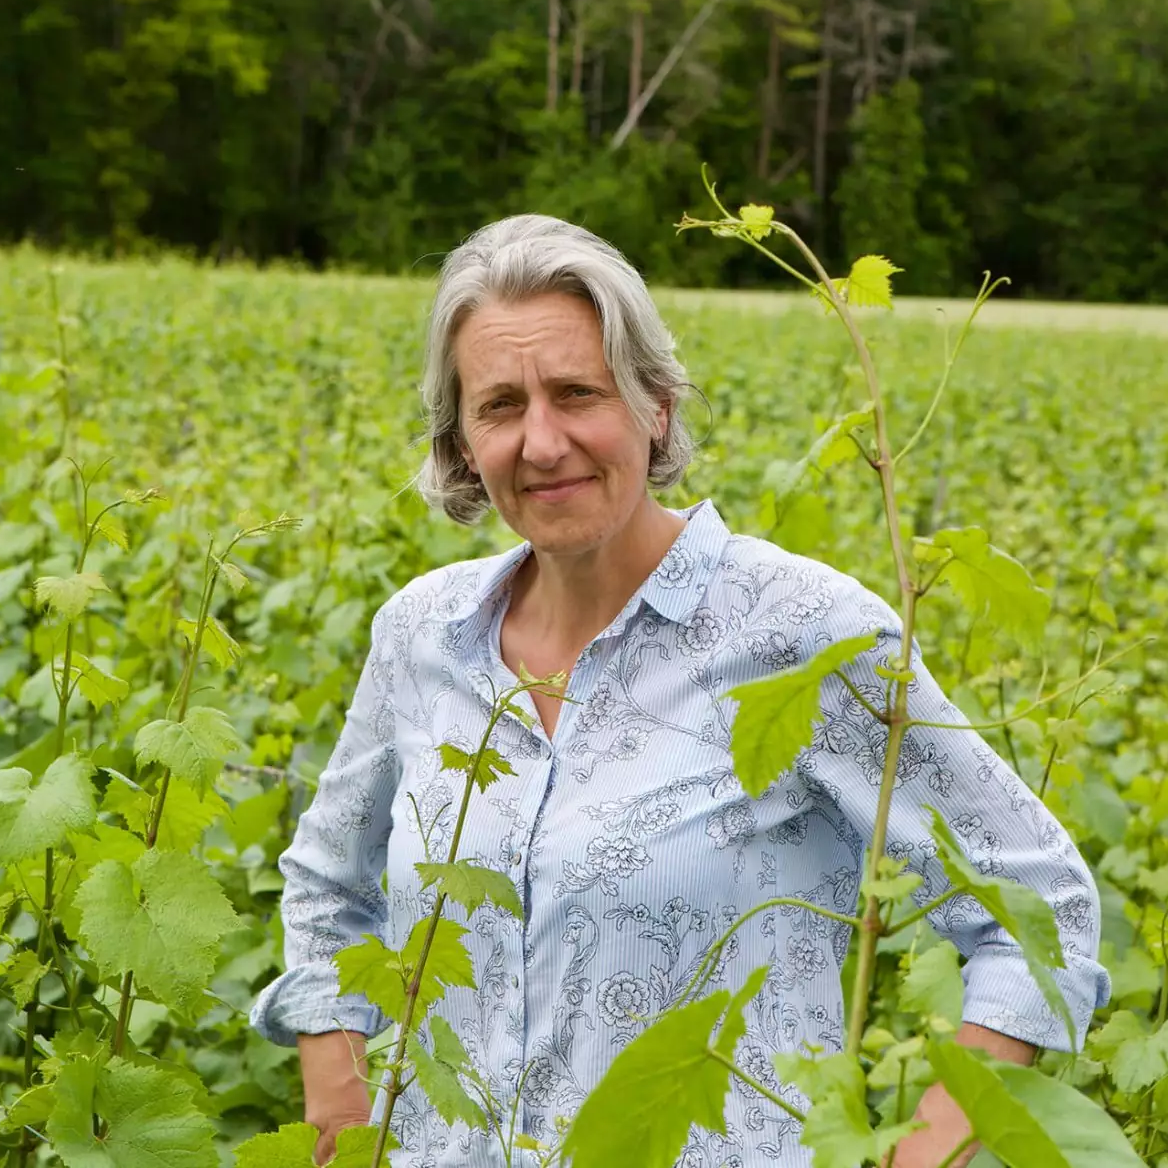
(333, 868)
(1003, 828)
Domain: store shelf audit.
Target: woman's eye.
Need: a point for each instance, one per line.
(579, 391)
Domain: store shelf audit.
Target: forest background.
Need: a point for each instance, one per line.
(1026, 136)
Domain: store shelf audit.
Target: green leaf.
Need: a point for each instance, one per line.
(835, 445)
(12, 578)
(1086, 1135)
(69, 596)
(291, 1146)
(383, 974)
(97, 687)
(110, 526)
(1001, 1122)
(356, 1145)
(758, 220)
(38, 815)
(1135, 1058)
(193, 749)
(892, 883)
(163, 918)
(776, 715)
(252, 819)
(373, 969)
(153, 1121)
(438, 1076)
(734, 1024)
(22, 975)
(1018, 909)
(217, 641)
(491, 767)
(447, 964)
(870, 282)
(33, 1107)
(470, 884)
(991, 585)
(933, 985)
(662, 1082)
(233, 575)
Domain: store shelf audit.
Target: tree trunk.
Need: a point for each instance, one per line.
(636, 57)
(553, 55)
(770, 100)
(822, 117)
(596, 122)
(577, 82)
(663, 70)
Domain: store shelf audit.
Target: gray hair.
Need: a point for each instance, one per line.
(521, 257)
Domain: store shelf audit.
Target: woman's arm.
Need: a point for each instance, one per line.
(947, 1126)
(333, 895)
(1001, 825)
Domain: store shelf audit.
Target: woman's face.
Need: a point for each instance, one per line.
(544, 424)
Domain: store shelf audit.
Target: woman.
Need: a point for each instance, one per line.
(552, 393)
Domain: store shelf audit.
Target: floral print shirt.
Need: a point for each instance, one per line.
(633, 845)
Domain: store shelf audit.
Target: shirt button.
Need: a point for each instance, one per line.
(514, 982)
(518, 859)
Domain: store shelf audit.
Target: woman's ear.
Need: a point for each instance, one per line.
(467, 455)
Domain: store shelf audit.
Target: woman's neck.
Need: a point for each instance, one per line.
(568, 600)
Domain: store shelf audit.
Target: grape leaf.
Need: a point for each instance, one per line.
(162, 917)
(356, 1145)
(22, 975)
(990, 584)
(69, 596)
(999, 1120)
(734, 1024)
(383, 974)
(662, 1082)
(776, 715)
(1135, 1058)
(291, 1146)
(933, 985)
(110, 526)
(1018, 909)
(437, 1075)
(193, 749)
(233, 575)
(252, 819)
(870, 282)
(491, 767)
(758, 220)
(373, 969)
(33, 1108)
(97, 687)
(1086, 1135)
(470, 884)
(892, 882)
(12, 578)
(217, 641)
(35, 815)
(837, 1127)
(833, 446)
(153, 1121)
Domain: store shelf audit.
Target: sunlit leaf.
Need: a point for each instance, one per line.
(38, 814)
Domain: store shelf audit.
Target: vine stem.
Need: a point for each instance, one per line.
(754, 1084)
(396, 1087)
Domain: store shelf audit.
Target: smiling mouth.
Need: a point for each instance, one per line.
(559, 490)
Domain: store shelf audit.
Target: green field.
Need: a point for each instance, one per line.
(235, 393)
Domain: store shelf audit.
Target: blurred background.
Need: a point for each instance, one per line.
(1026, 136)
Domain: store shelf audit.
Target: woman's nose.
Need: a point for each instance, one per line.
(544, 441)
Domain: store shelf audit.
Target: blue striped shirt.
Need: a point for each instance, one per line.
(633, 845)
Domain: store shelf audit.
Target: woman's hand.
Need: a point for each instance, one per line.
(335, 1093)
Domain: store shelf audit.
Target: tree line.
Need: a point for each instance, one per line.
(1029, 137)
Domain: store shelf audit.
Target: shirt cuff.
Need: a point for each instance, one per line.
(305, 1000)
(1001, 995)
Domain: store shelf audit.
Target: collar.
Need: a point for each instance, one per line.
(674, 590)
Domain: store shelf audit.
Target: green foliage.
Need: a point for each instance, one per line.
(932, 985)
(990, 584)
(162, 917)
(193, 750)
(663, 1081)
(776, 716)
(35, 815)
(69, 596)
(438, 1074)
(151, 1115)
(471, 884)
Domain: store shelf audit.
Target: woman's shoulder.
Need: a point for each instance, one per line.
(797, 588)
(451, 592)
